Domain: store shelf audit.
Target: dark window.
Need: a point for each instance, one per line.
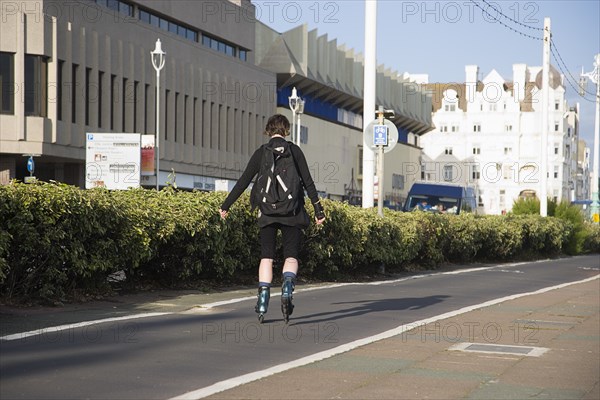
(164, 24)
(173, 28)
(88, 74)
(59, 91)
(100, 86)
(7, 83)
(154, 20)
(194, 111)
(206, 41)
(243, 54)
(74, 99)
(145, 16)
(176, 114)
(185, 106)
(113, 93)
(36, 84)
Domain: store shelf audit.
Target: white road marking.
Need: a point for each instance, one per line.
(253, 376)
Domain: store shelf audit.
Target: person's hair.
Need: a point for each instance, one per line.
(278, 124)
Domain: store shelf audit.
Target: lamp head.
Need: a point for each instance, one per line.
(158, 49)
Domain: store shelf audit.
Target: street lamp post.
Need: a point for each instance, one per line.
(297, 107)
(595, 77)
(158, 62)
(299, 113)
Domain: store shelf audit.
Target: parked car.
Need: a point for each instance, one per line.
(441, 198)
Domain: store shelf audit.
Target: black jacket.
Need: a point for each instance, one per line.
(252, 169)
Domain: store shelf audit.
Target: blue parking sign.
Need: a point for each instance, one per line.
(380, 135)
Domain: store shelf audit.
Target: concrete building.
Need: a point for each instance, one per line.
(70, 68)
(488, 135)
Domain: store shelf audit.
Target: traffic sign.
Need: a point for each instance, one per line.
(380, 135)
(30, 165)
(370, 135)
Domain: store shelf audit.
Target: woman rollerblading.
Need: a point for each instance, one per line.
(282, 176)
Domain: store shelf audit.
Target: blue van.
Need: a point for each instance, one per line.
(441, 198)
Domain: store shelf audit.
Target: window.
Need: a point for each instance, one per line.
(476, 150)
(450, 107)
(444, 128)
(448, 173)
(556, 126)
(555, 149)
(88, 76)
(448, 151)
(176, 115)
(243, 55)
(185, 107)
(74, 99)
(113, 83)
(507, 151)
(477, 128)
(7, 82)
(506, 171)
(557, 106)
(59, 92)
(454, 128)
(508, 128)
(36, 85)
(502, 198)
(475, 173)
(555, 171)
(493, 107)
(480, 199)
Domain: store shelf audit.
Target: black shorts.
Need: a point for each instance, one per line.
(291, 238)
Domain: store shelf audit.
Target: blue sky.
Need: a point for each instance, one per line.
(439, 38)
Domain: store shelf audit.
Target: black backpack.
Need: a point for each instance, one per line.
(278, 188)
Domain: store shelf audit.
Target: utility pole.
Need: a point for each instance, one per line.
(595, 78)
(545, 114)
(369, 99)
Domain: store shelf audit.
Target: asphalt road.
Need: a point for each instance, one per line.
(165, 356)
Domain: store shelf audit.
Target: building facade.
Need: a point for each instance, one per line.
(72, 68)
(488, 135)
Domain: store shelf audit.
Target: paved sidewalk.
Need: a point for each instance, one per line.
(420, 364)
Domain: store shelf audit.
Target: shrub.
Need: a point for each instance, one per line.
(56, 239)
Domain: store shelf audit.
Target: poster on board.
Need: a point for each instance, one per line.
(113, 160)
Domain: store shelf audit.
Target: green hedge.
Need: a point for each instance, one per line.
(56, 240)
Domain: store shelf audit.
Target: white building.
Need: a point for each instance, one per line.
(488, 135)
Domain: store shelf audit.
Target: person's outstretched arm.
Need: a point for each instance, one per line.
(251, 170)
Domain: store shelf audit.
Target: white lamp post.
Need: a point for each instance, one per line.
(595, 77)
(158, 62)
(299, 112)
(294, 102)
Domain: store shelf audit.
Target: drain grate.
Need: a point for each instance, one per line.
(528, 351)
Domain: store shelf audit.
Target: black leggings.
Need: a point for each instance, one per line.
(291, 239)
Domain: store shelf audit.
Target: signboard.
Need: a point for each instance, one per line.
(112, 160)
(371, 137)
(148, 155)
(380, 135)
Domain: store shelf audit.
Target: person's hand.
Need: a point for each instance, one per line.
(223, 213)
(319, 221)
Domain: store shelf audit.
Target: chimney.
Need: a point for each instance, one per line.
(519, 81)
(471, 72)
